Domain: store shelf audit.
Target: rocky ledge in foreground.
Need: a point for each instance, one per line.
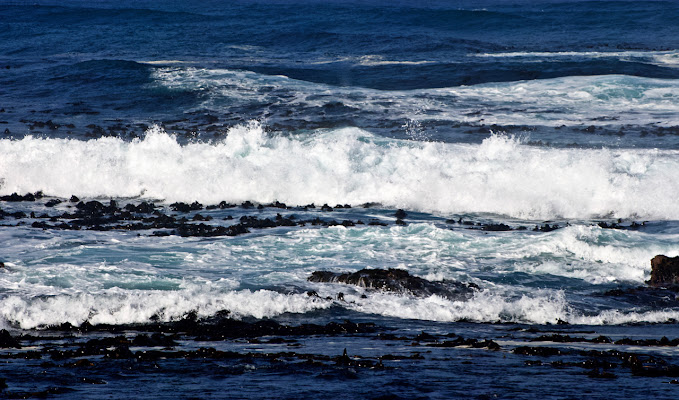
(664, 271)
(398, 281)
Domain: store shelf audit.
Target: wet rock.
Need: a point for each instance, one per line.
(651, 366)
(398, 281)
(496, 227)
(74, 199)
(203, 230)
(143, 208)
(183, 207)
(14, 197)
(400, 214)
(119, 353)
(546, 228)
(52, 203)
(664, 271)
(199, 217)
(7, 341)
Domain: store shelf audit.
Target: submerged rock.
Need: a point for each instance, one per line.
(664, 271)
(398, 281)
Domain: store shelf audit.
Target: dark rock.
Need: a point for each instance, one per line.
(537, 351)
(400, 214)
(183, 207)
(546, 228)
(199, 217)
(143, 208)
(119, 353)
(74, 199)
(376, 223)
(52, 203)
(14, 197)
(400, 222)
(664, 271)
(6, 340)
(398, 281)
(496, 227)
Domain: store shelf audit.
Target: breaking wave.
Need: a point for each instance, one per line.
(501, 175)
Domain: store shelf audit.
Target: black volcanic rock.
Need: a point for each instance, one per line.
(397, 281)
(664, 271)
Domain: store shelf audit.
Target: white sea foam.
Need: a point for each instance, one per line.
(568, 54)
(115, 306)
(571, 101)
(539, 307)
(351, 166)
(589, 253)
(370, 60)
(661, 58)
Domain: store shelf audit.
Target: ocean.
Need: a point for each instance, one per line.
(277, 199)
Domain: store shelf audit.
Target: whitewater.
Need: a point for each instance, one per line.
(501, 175)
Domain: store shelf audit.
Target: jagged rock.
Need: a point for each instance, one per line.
(664, 271)
(398, 281)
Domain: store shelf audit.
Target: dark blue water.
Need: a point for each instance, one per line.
(86, 63)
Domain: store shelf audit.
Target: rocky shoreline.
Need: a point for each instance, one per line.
(186, 219)
(95, 354)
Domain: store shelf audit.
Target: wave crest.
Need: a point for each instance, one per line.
(501, 175)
